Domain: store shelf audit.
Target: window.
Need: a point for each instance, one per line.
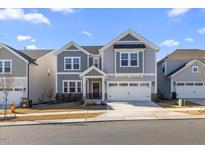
(96, 62)
(72, 86)
(180, 84)
(195, 69)
(5, 66)
(198, 84)
(123, 84)
(72, 63)
(124, 59)
(133, 84)
(133, 57)
(112, 84)
(129, 59)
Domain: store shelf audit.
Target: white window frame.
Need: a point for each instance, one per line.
(3, 66)
(76, 86)
(193, 67)
(72, 63)
(98, 59)
(129, 58)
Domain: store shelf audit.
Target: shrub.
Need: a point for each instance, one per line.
(68, 97)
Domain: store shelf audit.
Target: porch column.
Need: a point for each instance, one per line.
(84, 87)
(103, 88)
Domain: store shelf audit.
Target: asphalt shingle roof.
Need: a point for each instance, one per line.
(92, 49)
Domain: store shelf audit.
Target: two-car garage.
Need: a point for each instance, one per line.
(129, 91)
(190, 89)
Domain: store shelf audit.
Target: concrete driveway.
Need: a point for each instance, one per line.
(139, 109)
(198, 100)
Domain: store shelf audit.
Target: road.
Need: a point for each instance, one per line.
(121, 132)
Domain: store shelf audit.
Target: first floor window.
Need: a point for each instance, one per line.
(72, 86)
(65, 87)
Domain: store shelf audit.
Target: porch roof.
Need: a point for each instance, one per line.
(93, 71)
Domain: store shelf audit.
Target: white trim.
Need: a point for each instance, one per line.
(193, 67)
(129, 58)
(72, 63)
(133, 74)
(92, 68)
(143, 62)
(2, 45)
(93, 77)
(156, 72)
(115, 62)
(102, 61)
(69, 45)
(187, 65)
(68, 82)
(16, 78)
(56, 74)
(131, 32)
(67, 73)
(3, 66)
(129, 41)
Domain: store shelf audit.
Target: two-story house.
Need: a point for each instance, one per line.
(180, 74)
(123, 69)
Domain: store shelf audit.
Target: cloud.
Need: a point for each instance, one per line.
(23, 38)
(63, 10)
(87, 33)
(31, 47)
(33, 40)
(169, 43)
(177, 12)
(201, 30)
(188, 39)
(19, 14)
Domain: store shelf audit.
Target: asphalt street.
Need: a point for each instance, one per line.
(118, 132)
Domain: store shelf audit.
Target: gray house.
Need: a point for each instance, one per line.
(123, 69)
(180, 74)
(31, 72)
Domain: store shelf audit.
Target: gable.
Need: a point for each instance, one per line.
(93, 73)
(72, 47)
(129, 37)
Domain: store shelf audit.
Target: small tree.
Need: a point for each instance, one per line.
(6, 83)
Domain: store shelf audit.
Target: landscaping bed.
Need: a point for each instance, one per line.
(53, 117)
(57, 107)
(173, 103)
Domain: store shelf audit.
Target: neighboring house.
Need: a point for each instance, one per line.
(31, 70)
(179, 73)
(123, 69)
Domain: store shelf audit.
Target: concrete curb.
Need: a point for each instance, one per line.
(84, 120)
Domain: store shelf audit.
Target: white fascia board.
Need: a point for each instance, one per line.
(92, 68)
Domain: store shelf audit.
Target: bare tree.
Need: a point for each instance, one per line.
(7, 84)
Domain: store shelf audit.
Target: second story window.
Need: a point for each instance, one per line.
(129, 59)
(124, 59)
(96, 62)
(72, 63)
(5, 66)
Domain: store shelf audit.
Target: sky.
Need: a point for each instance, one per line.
(169, 29)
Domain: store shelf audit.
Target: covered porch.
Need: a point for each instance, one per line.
(93, 83)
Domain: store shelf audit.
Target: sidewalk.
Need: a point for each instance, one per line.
(110, 115)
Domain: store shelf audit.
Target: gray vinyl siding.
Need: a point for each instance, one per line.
(108, 60)
(61, 77)
(187, 75)
(163, 83)
(60, 60)
(149, 60)
(93, 73)
(19, 66)
(138, 69)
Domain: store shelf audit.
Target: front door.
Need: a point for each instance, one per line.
(96, 90)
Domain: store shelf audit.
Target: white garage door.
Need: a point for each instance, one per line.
(125, 91)
(14, 94)
(190, 90)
